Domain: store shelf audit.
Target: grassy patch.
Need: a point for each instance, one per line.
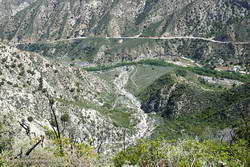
(118, 116)
(144, 75)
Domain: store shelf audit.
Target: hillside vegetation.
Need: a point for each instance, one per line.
(125, 83)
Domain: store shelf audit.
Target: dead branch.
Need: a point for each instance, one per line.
(25, 127)
(34, 146)
(53, 112)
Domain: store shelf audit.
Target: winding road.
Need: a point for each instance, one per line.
(139, 37)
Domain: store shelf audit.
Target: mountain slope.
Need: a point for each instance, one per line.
(195, 108)
(56, 29)
(222, 19)
(83, 103)
(111, 51)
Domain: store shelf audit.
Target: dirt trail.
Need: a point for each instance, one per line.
(153, 38)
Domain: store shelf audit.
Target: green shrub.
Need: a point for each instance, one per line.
(184, 153)
(65, 117)
(30, 119)
(4, 160)
(5, 138)
(181, 72)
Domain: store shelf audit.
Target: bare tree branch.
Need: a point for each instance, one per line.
(25, 127)
(34, 146)
(53, 112)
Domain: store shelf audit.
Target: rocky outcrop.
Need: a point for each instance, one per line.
(28, 82)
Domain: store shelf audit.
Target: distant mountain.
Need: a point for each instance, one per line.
(37, 21)
(34, 20)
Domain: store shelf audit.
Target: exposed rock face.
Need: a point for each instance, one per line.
(27, 80)
(37, 19)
